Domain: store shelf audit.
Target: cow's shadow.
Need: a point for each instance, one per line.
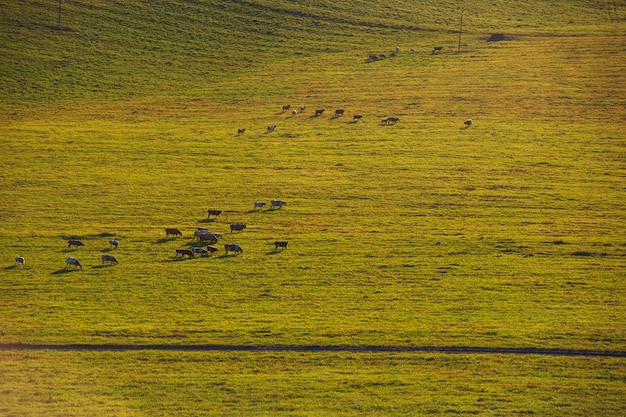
(65, 271)
(165, 240)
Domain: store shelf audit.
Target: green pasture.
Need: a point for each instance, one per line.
(509, 233)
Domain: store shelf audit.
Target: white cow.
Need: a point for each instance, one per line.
(19, 260)
(113, 242)
(271, 128)
(73, 262)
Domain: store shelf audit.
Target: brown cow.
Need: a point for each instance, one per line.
(74, 242)
(214, 213)
(339, 112)
(109, 258)
(184, 252)
(319, 112)
(172, 231)
(237, 226)
(232, 247)
(210, 238)
(280, 245)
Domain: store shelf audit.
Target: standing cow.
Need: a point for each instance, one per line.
(278, 203)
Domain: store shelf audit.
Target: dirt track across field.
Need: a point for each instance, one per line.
(316, 348)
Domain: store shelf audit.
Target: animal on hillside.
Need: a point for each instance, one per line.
(392, 54)
(199, 251)
(271, 128)
(19, 260)
(210, 238)
(241, 131)
(382, 56)
(74, 242)
(114, 242)
(412, 50)
(237, 227)
(232, 247)
(397, 49)
(73, 262)
(109, 258)
(278, 203)
(259, 204)
(214, 213)
(184, 252)
(389, 120)
(211, 249)
(172, 231)
(468, 123)
(201, 231)
(339, 112)
(294, 112)
(286, 107)
(280, 245)
(302, 108)
(373, 57)
(437, 49)
(357, 117)
(319, 112)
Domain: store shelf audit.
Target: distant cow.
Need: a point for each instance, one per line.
(339, 112)
(73, 262)
(114, 242)
(74, 242)
(280, 245)
(271, 128)
(19, 260)
(357, 117)
(210, 238)
(286, 107)
(397, 49)
(184, 252)
(172, 231)
(294, 112)
(278, 203)
(109, 258)
(237, 227)
(211, 249)
(214, 213)
(468, 122)
(302, 108)
(241, 131)
(319, 112)
(199, 251)
(437, 49)
(232, 247)
(389, 120)
(259, 204)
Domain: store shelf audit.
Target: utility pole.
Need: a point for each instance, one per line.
(460, 30)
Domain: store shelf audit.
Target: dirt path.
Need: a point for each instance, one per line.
(315, 348)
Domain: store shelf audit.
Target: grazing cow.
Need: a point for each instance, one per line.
(382, 56)
(294, 112)
(389, 120)
(200, 231)
(286, 107)
(392, 54)
(373, 57)
(278, 203)
(184, 252)
(280, 245)
(241, 131)
(172, 231)
(437, 49)
(214, 213)
(339, 112)
(232, 247)
(397, 49)
(302, 108)
(109, 258)
(73, 262)
(357, 117)
(468, 122)
(199, 251)
(319, 112)
(19, 260)
(271, 128)
(211, 249)
(237, 226)
(259, 204)
(74, 242)
(209, 237)
(114, 242)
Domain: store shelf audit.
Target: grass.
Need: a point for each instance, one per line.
(506, 234)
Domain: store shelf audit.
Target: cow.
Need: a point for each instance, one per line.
(271, 128)
(199, 251)
(109, 258)
(468, 122)
(382, 56)
(241, 131)
(232, 247)
(114, 242)
(319, 112)
(389, 120)
(74, 242)
(302, 108)
(357, 117)
(259, 204)
(280, 245)
(211, 249)
(412, 50)
(294, 112)
(237, 226)
(339, 112)
(215, 213)
(184, 252)
(373, 57)
(172, 231)
(209, 237)
(437, 49)
(19, 260)
(286, 107)
(278, 203)
(73, 262)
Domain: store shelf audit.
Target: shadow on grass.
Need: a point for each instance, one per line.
(166, 239)
(65, 271)
(10, 267)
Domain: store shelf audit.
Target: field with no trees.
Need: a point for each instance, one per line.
(432, 267)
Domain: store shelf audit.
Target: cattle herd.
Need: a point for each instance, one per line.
(202, 235)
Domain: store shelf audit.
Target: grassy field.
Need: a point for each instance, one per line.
(509, 233)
